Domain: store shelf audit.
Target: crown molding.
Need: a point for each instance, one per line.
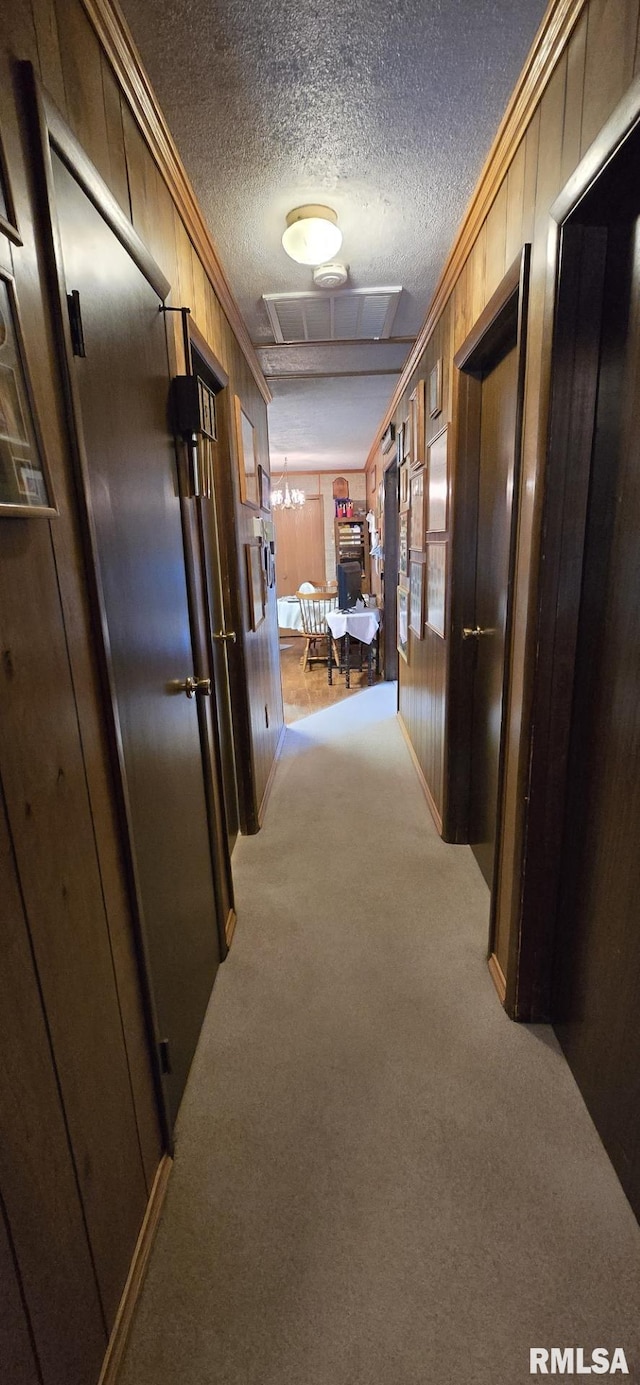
(117, 40)
(548, 45)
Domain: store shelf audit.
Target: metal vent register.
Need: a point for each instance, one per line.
(346, 315)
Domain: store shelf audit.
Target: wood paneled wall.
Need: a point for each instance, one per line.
(81, 1140)
(591, 74)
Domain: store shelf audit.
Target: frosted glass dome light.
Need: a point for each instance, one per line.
(312, 235)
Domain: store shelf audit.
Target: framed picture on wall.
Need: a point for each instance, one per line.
(25, 483)
(438, 490)
(417, 569)
(405, 489)
(264, 484)
(247, 456)
(400, 445)
(403, 546)
(435, 389)
(416, 425)
(436, 586)
(8, 219)
(417, 529)
(403, 623)
(256, 580)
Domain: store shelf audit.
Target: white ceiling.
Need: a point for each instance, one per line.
(385, 111)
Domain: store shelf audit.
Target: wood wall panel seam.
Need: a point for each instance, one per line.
(113, 32)
(548, 46)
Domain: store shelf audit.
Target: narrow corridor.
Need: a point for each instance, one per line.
(379, 1179)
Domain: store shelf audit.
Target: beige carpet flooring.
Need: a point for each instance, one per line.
(379, 1180)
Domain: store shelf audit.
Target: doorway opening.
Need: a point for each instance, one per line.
(580, 944)
(490, 388)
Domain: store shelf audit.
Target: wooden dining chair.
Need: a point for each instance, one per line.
(315, 607)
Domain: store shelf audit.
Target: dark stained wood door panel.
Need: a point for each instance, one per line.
(131, 484)
(597, 977)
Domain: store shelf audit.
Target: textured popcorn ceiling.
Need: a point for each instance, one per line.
(383, 110)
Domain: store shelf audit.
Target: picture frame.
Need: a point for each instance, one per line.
(406, 440)
(417, 571)
(256, 582)
(246, 451)
(436, 598)
(403, 623)
(438, 485)
(264, 488)
(8, 219)
(417, 425)
(403, 545)
(400, 445)
(435, 389)
(404, 486)
(417, 528)
(25, 481)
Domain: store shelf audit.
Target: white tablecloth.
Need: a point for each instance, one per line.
(289, 613)
(361, 625)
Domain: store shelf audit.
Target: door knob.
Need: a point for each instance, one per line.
(191, 686)
(473, 633)
(223, 635)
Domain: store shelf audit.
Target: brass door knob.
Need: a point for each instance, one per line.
(193, 686)
(223, 635)
(473, 633)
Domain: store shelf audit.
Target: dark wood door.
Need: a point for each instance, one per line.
(390, 574)
(495, 492)
(221, 637)
(596, 998)
(132, 490)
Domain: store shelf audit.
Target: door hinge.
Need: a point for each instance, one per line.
(165, 1057)
(75, 323)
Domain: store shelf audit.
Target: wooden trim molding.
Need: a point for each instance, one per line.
(117, 41)
(230, 926)
(497, 976)
(548, 45)
(135, 1279)
(272, 774)
(419, 771)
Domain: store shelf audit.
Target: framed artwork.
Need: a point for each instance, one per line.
(417, 528)
(400, 445)
(256, 578)
(25, 484)
(416, 425)
(437, 499)
(247, 456)
(403, 546)
(264, 485)
(436, 586)
(435, 389)
(8, 219)
(403, 623)
(405, 490)
(417, 569)
(406, 440)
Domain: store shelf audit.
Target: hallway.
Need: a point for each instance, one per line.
(379, 1180)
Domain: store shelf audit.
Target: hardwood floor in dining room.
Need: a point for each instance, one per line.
(304, 693)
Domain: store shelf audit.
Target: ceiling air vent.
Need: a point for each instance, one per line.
(347, 315)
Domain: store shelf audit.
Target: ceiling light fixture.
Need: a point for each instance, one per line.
(312, 235)
(286, 499)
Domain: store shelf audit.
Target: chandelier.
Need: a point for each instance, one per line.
(286, 497)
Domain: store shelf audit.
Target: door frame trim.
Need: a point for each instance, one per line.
(503, 320)
(582, 246)
(49, 131)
